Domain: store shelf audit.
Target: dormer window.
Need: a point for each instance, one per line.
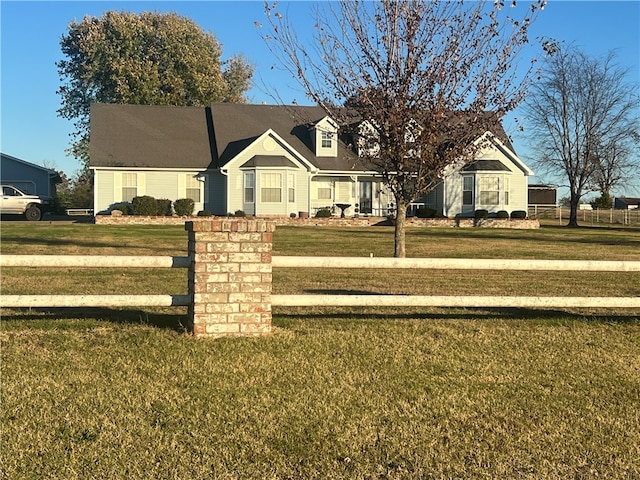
(326, 139)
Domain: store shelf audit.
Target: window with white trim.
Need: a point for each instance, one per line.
(129, 186)
(326, 139)
(467, 190)
(271, 187)
(324, 190)
(507, 188)
(292, 187)
(193, 188)
(249, 187)
(489, 190)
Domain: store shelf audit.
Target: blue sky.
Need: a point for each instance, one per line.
(31, 31)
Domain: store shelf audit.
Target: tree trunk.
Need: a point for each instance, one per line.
(400, 250)
(574, 202)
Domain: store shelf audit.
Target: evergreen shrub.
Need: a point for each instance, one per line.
(323, 213)
(424, 212)
(184, 207)
(144, 205)
(481, 213)
(519, 214)
(123, 207)
(164, 207)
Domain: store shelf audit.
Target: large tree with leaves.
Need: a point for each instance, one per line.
(428, 77)
(150, 59)
(582, 115)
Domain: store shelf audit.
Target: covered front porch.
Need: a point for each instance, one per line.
(351, 195)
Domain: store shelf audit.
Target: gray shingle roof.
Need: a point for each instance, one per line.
(486, 166)
(146, 136)
(149, 136)
(237, 125)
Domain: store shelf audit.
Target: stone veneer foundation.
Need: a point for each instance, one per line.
(412, 222)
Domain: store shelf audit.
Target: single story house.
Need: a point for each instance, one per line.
(272, 161)
(28, 177)
(626, 203)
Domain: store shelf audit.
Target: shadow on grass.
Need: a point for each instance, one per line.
(536, 236)
(286, 314)
(72, 242)
(51, 317)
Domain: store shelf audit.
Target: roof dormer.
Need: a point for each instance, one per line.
(324, 135)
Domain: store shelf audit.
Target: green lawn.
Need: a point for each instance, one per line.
(333, 393)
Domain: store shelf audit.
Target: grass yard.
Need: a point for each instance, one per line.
(333, 393)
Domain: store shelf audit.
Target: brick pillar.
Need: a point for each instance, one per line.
(230, 277)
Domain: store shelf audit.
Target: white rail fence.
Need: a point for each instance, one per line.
(120, 262)
(592, 217)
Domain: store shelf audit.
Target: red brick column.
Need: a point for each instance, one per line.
(230, 277)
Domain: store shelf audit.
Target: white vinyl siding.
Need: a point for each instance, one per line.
(104, 190)
(161, 185)
(344, 188)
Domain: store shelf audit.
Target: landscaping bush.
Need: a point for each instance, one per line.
(144, 205)
(502, 214)
(519, 214)
(424, 212)
(323, 213)
(164, 207)
(184, 207)
(481, 213)
(123, 207)
(239, 213)
(204, 213)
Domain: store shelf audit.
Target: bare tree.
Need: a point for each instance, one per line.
(582, 113)
(427, 78)
(616, 163)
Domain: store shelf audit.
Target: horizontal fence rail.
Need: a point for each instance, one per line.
(451, 301)
(80, 261)
(456, 264)
(95, 261)
(35, 301)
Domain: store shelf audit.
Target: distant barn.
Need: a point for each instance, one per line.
(543, 195)
(626, 203)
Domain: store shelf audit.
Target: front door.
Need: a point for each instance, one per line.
(366, 197)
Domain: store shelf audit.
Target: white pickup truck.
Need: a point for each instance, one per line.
(15, 202)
